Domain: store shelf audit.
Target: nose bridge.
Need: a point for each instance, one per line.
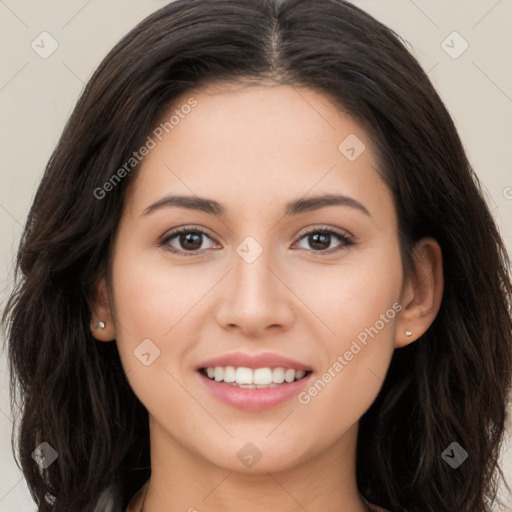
(255, 281)
(257, 299)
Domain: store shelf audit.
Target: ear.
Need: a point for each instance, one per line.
(100, 312)
(422, 292)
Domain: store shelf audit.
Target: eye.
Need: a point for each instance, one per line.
(189, 238)
(320, 239)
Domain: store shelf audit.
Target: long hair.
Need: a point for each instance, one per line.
(451, 385)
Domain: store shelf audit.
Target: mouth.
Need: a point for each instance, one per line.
(253, 382)
(253, 389)
(254, 378)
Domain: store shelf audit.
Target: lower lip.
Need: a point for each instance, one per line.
(254, 399)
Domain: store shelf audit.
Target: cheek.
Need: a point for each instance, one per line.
(154, 306)
(151, 301)
(359, 305)
(153, 294)
(351, 296)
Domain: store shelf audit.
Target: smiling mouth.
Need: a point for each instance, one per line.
(257, 378)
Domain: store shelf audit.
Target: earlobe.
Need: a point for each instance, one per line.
(422, 293)
(102, 325)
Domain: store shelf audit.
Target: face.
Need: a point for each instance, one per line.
(265, 279)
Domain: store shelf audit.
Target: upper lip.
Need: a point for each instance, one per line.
(266, 359)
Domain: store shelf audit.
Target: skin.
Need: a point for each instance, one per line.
(253, 149)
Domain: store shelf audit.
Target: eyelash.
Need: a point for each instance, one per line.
(345, 239)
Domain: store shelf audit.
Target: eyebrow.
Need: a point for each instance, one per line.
(295, 207)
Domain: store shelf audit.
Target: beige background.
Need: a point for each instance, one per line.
(37, 95)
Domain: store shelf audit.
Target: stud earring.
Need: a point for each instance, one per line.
(408, 333)
(100, 325)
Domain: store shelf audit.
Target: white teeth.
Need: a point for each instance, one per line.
(229, 374)
(258, 378)
(262, 376)
(252, 386)
(219, 373)
(289, 375)
(278, 375)
(244, 375)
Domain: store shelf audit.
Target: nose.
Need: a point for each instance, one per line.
(256, 298)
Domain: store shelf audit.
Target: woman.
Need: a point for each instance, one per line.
(336, 337)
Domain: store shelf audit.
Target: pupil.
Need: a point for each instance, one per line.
(189, 239)
(314, 240)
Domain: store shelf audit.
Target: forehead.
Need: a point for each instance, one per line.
(258, 145)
